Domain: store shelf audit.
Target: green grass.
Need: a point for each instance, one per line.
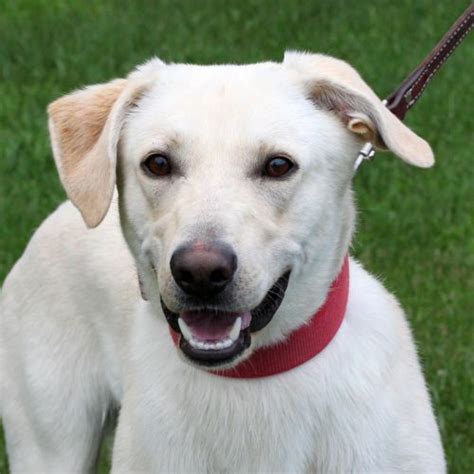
(416, 227)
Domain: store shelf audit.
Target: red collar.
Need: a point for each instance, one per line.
(302, 344)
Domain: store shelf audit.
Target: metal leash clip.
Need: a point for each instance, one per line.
(367, 152)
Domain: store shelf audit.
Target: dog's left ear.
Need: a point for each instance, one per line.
(335, 85)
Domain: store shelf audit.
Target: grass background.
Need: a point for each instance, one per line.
(416, 227)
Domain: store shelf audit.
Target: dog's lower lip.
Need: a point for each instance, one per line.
(261, 315)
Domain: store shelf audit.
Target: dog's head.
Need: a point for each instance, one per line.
(233, 183)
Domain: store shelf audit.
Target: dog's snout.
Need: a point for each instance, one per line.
(203, 268)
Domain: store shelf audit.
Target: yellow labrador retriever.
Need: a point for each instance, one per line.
(199, 280)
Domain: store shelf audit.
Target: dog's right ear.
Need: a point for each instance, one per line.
(85, 128)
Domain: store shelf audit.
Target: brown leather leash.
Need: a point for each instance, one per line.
(411, 89)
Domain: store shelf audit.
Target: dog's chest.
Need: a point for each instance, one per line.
(227, 424)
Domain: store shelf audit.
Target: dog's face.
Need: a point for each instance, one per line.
(234, 184)
(230, 181)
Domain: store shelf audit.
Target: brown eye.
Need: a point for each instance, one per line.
(157, 165)
(277, 167)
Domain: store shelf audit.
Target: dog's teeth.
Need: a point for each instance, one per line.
(227, 343)
(209, 346)
(235, 331)
(185, 330)
(196, 344)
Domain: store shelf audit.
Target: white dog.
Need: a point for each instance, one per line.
(233, 185)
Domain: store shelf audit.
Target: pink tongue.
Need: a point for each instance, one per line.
(213, 325)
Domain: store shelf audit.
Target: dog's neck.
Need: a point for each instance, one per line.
(302, 344)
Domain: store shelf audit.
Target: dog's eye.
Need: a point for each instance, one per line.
(157, 165)
(277, 167)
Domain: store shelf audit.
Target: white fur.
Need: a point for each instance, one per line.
(77, 340)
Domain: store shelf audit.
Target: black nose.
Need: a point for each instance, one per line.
(203, 268)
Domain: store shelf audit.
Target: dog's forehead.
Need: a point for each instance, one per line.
(250, 103)
(230, 83)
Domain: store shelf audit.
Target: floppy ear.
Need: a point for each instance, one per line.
(335, 85)
(85, 128)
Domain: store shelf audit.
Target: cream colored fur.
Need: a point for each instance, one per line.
(77, 340)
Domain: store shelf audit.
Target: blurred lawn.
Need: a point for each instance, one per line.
(416, 228)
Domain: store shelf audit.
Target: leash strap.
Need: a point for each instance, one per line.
(411, 89)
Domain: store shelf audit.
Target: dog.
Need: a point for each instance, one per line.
(199, 279)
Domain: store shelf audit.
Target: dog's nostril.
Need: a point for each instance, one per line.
(204, 269)
(185, 276)
(219, 276)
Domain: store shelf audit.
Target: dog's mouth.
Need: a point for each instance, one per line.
(214, 338)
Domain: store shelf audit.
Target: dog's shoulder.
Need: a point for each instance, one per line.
(376, 330)
(66, 260)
